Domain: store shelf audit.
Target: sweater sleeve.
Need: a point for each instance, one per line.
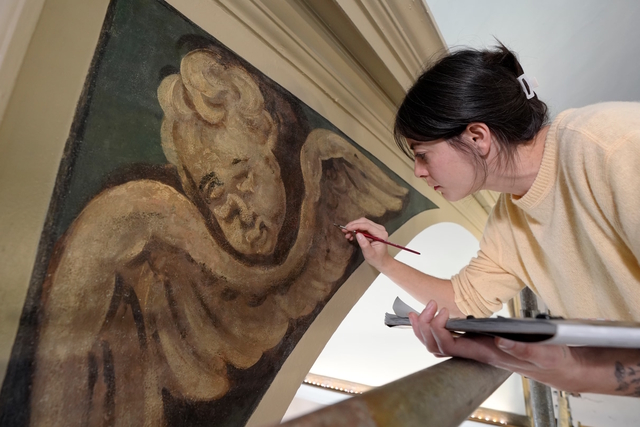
(624, 185)
(483, 286)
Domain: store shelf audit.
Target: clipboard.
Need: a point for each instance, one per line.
(541, 330)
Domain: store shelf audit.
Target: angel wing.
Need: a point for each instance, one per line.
(132, 307)
(354, 185)
(346, 185)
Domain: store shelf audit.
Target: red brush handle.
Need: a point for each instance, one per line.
(377, 239)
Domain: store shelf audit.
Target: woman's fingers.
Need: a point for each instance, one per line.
(413, 318)
(477, 348)
(367, 250)
(421, 325)
(430, 329)
(368, 226)
(442, 337)
(376, 253)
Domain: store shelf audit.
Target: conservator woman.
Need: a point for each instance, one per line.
(566, 224)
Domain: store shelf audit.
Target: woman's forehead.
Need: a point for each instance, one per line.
(413, 144)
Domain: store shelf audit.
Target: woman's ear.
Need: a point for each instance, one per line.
(479, 136)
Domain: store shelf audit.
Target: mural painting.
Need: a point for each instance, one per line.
(189, 242)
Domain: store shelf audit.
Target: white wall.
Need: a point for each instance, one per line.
(581, 51)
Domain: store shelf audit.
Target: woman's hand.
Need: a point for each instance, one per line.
(572, 369)
(375, 253)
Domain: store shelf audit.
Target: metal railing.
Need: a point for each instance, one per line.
(443, 395)
(538, 397)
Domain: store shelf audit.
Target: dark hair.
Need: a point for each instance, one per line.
(469, 86)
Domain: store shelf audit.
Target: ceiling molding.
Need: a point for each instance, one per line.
(295, 33)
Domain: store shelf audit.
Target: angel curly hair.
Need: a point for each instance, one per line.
(468, 86)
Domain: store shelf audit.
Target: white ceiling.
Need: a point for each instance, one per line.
(581, 52)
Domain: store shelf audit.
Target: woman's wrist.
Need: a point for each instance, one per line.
(606, 371)
(385, 264)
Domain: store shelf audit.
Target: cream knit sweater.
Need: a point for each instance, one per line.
(574, 237)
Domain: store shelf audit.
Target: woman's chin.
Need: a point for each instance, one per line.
(451, 197)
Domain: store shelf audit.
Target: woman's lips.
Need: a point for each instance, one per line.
(436, 187)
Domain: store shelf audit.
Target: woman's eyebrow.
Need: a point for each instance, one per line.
(415, 144)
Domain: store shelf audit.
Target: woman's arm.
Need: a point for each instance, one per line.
(421, 286)
(572, 369)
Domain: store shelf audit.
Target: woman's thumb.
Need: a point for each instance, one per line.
(361, 238)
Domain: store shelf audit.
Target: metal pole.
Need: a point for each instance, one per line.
(538, 398)
(564, 411)
(443, 395)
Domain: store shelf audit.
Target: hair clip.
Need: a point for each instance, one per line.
(528, 85)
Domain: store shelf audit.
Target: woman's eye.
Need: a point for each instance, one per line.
(420, 156)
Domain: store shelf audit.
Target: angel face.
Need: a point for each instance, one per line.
(220, 136)
(239, 179)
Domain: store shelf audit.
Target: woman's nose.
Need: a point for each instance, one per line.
(419, 170)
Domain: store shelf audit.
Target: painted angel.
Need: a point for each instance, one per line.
(158, 291)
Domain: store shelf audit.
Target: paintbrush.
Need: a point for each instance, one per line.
(377, 239)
